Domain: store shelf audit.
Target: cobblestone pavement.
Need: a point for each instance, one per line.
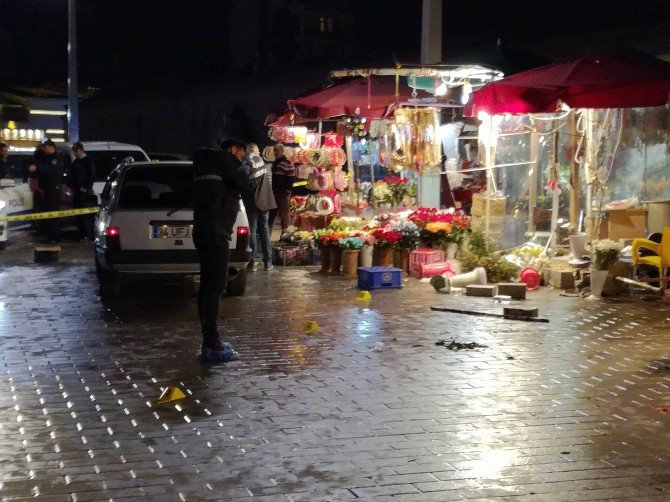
(576, 409)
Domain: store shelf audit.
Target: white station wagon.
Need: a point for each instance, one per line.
(145, 227)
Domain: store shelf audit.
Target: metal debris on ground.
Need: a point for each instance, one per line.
(454, 345)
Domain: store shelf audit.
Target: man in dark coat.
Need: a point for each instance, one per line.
(258, 201)
(283, 176)
(7, 168)
(80, 181)
(219, 181)
(49, 173)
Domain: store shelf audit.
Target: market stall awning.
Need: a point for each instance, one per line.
(368, 97)
(285, 119)
(591, 81)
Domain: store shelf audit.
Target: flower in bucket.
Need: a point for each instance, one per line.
(436, 233)
(350, 243)
(326, 237)
(385, 238)
(366, 237)
(409, 232)
(605, 253)
(301, 236)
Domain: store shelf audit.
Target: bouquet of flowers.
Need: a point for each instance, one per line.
(436, 233)
(297, 205)
(350, 243)
(605, 253)
(385, 238)
(409, 232)
(327, 237)
(366, 237)
(382, 192)
(398, 186)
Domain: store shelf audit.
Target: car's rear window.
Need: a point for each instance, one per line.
(157, 187)
(106, 160)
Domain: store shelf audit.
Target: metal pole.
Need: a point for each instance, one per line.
(72, 80)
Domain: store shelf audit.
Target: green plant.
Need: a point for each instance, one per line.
(479, 245)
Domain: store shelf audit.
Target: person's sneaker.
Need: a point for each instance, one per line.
(210, 355)
(269, 267)
(251, 266)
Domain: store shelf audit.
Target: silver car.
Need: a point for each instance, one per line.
(145, 227)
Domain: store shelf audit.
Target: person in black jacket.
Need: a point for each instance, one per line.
(80, 181)
(49, 172)
(219, 181)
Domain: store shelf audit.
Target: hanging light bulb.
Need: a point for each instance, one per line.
(465, 95)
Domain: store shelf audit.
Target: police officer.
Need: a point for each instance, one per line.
(49, 173)
(219, 181)
(7, 169)
(80, 180)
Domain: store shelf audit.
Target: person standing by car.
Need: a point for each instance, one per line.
(49, 173)
(283, 176)
(80, 180)
(7, 169)
(258, 201)
(219, 181)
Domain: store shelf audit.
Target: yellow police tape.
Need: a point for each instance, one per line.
(51, 214)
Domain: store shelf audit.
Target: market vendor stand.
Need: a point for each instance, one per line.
(599, 86)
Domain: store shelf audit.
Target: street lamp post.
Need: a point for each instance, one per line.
(72, 80)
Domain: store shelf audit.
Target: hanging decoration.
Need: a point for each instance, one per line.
(415, 138)
(552, 180)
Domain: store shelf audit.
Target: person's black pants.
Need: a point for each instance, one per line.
(51, 202)
(84, 221)
(214, 255)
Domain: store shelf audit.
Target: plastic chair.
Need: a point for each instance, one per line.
(661, 259)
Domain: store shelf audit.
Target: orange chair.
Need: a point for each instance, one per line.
(662, 259)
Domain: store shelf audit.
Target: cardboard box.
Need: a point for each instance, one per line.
(495, 224)
(626, 224)
(479, 205)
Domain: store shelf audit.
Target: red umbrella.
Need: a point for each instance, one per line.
(592, 81)
(371, 98)
(285, 119)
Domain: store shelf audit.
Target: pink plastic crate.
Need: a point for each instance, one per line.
(423, 255)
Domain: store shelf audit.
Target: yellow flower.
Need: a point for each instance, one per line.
(438, 226)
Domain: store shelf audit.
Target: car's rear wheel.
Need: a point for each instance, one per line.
(3, 245)
(237, 283)
(109, 282)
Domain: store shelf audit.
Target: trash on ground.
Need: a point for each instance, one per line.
(378, 347)
(454, 345)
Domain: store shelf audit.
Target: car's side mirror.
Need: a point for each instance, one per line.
(7, 182)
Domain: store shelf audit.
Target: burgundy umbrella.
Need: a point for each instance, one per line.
(591, 81)
(369, 97)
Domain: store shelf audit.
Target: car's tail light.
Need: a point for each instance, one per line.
(242, 239)
(113, 238)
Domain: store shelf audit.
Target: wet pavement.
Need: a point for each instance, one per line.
(576, 409)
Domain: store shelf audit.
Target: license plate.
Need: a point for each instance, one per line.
(171, 231)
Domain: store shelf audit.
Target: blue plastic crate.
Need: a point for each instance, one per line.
(370, 278)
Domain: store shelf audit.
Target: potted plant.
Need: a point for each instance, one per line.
(351, 247)
(605, 253)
